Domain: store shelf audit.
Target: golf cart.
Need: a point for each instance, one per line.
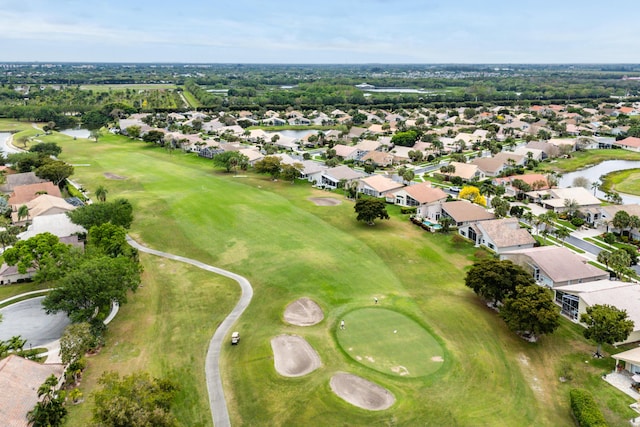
(235, 338)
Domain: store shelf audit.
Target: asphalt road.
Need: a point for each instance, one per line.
(212, 363)
(29, 320)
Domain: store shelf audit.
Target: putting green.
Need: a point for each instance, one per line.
(390, 342)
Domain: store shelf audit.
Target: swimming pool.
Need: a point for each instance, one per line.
(433, 225)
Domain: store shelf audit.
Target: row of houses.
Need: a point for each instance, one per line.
(46, 211)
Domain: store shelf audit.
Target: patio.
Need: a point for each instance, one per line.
(622, 381)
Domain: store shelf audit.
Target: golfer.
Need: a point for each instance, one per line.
(342, 324)
(375, 300)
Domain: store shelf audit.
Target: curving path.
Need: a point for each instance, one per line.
(212, 363)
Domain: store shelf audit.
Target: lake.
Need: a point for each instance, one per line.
(77, 133)
(594, 173)
(294, 133)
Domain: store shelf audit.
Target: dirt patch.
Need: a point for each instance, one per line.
(360, 392)
(325, 201)
(437, 359)
(303, 312)
(109, 175)
(293, 356)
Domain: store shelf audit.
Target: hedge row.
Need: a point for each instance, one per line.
(585, 409)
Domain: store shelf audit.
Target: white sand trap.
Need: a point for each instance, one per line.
(437, 359)
(325, 201)
(293, 356)
(360, 392)
(303, 312)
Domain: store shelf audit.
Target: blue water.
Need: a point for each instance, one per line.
(431, 224)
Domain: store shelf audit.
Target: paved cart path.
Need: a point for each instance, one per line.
(212, 363)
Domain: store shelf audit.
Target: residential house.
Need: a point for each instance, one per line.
(534, 180)
(43, 205)
(465, 171)
(311, 170)
(558, 199)
(332, 178)
(608, 212)
(629, 359)
(18, 179)
(58, 224)
(25, 193)
(347, 152)
(378, 185)
(500, 235)
(401, 154)
(576, 298)
(533, 153)
(464, 213)
(20, 380)
(10, 274)
(252, 154)
(630, 143)
(549, 151)
(378, 158)
(554, 266)
(423, 197)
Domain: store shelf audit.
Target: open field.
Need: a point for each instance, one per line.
(288, 247)
(624, 181)
(10, 125)
(133, 86)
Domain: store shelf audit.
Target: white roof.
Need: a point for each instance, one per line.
(57, 224)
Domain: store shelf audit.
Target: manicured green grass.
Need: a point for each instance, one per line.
(288, 247)
(8, 291)
(600, 243)
(390, 342)
(625, 181)
(10, 125)
(582, 159)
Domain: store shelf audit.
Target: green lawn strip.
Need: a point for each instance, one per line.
(8, 291)
(597, 264)
(562, 243)
(600, 243)
(583, 159)
(566, 224)
(11, 125)
(288, 247)
(625, 181)
(192, 100)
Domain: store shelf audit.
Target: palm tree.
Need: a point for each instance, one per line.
(16, 343)
(445, 222)
(23, 212)
(561, 233)
(594, 186)
(101, 193)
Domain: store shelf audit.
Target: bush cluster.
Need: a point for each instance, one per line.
(585, 409)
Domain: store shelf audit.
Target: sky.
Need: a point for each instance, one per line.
(320, 32)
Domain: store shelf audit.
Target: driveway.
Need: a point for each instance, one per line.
(29, 320)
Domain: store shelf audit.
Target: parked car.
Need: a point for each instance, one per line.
(235, 338)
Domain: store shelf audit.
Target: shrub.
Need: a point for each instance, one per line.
(610, 238)
(406, 210)
(457, 239)
(585, 409)
(577, 222)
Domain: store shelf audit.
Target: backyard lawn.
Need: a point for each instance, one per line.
(288, 247)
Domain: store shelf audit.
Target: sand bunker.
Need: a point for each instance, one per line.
(113, 176)
(325, 201)
(303, 312)
(360, 392)
(293, 356)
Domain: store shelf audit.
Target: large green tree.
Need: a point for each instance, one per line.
(531, 311)
(368, 210)
(43, 252)
(46, 148)
(231, 160)
(136, 400)
(606, 324)
(55, 171)
(270, 165)
(495, 280)
(111, 240)
(94, 284)
(118, 212)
